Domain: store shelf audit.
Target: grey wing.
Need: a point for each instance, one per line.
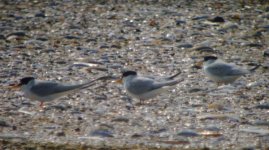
(143, 85)
(221, 69)
(50, 88)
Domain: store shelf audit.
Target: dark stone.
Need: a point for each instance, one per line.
(200, 18)
(2, 37)
(104, 47)
(3, 123)
(14, 127)
(102, 133)
(205, 49)
(188, 133)
(50, 50)
(267, 9)
(71, 37)
(262, 106)
(185, 46)
(136, 135)
(121, 119)
(266, 53)
(266, 27)
(158, 131)
(193, 90)
(42, 39)
(254, 45)
(80, 118)
(179, 22)
(19, 33)
(217, 19)
(60, 134)
(116, 46)
(77, 129)
(261, 123)
(61, 107)
(40, 14)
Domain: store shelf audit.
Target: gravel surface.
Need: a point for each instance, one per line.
(77, 41)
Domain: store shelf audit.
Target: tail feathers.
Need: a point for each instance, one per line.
(91, 83)
(254, 68)
(173, 76)
(173, 82)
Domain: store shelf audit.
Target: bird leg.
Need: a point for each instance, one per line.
(41, 104)
(219, 84)
(140, 102)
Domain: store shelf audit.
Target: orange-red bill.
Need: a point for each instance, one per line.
(14, 86)
(119, 81)
(199, 64)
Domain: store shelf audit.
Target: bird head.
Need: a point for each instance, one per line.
(210, 58)
(207, 59)
(126, 74)
(23, 81)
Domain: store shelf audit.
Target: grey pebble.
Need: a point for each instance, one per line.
(266, 53)
(262, 106)
(188, 133)
(101, 133)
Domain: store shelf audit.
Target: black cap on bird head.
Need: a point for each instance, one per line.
(26, 80)
(206, 58)
(128, 72)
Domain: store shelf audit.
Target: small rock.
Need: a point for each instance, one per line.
(104, 47)
(175, 142)
(183, 46)
(217, 19)
(254, 45)
(61, 107)
(261, 123)
(266, 53)
(62, 62)
(199, 17)
(136, 135)
(218, 116)
(256, 130)
(188, 133)
(179, 22)
(153, 23)
(49, 50)
(262, 106)
(42, 39)
(14, 127)
(80, 118)
(157, 131)
(3, 123)
(267, 9)
(266, 27)
(20, 34)
(210, 131)
(248, 148)
(204, 49)
(265, 65)
(120, 119)
(171, 13)
(2, 37)
(102, 133)
(254, 84)
(115, 46)
(216, 106)
(40, 14)
(77, 129)
(193, 90)
(71, 37)
(60, 134)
